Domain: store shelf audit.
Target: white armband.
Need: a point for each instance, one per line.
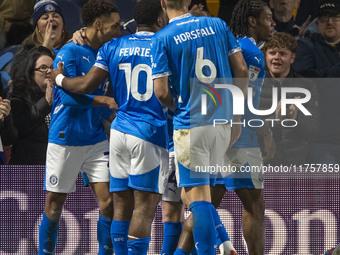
(59, 79)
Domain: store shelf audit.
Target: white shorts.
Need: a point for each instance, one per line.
(172, 192)
(248, 162)
(63, 164)
(198, 150)
(137, 164)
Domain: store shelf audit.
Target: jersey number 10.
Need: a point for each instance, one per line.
(131, 77)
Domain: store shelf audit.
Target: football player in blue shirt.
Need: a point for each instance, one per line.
(192, 52)
(77, 139)
(139, 140)
(252, 24)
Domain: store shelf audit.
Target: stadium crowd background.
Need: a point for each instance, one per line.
(317, 56)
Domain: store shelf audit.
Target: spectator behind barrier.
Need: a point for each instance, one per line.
(7, 130)
(31, 99)
(15, 11)
(318, 56)
(291, 142)
(283, 11)
(49, 31)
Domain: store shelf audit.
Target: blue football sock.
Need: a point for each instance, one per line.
(119, 236)
(221, 232)
(139, 246)
(48, 235)
(181, 252)
(204, 227)
(103, 236)
(171, 233)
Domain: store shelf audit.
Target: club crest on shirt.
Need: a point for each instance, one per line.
(253, 72)
(53, 179)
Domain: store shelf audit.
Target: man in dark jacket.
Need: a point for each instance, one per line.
(318, 56)
(291, 142)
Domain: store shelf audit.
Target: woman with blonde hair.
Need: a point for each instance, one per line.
(49, 31)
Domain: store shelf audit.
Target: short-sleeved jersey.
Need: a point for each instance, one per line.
(139, 113)
(72, 125)
(255, 63)
(194, 52)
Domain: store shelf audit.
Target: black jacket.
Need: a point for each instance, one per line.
(292, 142)
(316, 58)
(29, 118)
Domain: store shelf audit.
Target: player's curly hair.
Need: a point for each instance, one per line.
(242, 11)
(147, 12)
(281, 40)
(96, 8)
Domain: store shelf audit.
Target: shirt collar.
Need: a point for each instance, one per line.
(144, 33)
(186, 15)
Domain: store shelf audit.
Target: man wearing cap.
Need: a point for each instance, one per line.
(318, 56)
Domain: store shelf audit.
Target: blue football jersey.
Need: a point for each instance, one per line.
(139, 113)
(255, 63)
(193, 52)
(73, 124)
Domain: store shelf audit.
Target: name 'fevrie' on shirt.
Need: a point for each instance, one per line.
(134, 51)
(194, 53)
(139, 113)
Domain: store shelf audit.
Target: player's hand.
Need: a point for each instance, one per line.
(111, 103)
(55, 72)
(269, 147)
(49, 91)
(105, 101)
(79, 36)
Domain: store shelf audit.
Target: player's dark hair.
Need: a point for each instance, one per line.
(242, 11)
(281, 40)
(94, 9)
(147, 12)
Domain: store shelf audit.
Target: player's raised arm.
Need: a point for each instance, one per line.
(82, 84)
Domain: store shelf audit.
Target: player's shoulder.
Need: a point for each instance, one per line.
(70, 46)
(70, 49)
(248, 45)
(111, 44)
